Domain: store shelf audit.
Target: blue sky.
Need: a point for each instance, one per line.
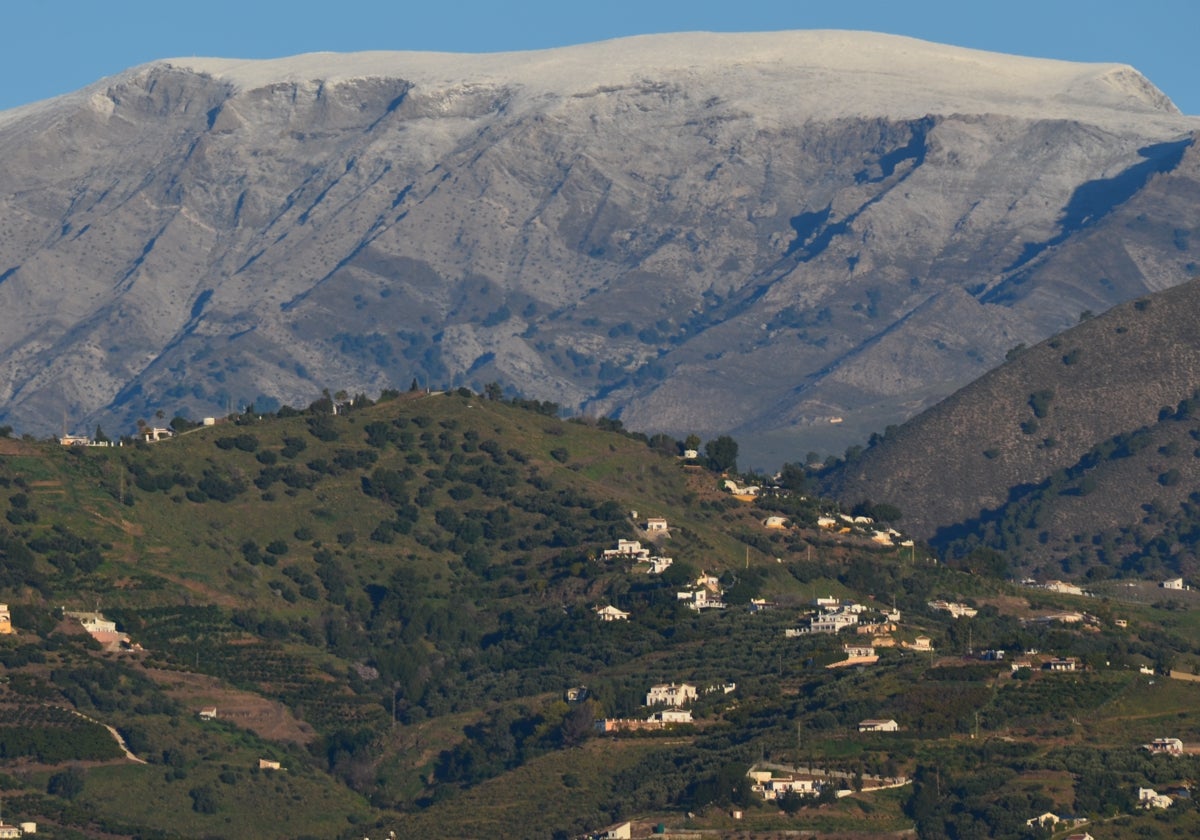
(55, 47)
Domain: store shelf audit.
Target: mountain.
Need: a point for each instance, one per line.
(1081, 450)
(797, 237)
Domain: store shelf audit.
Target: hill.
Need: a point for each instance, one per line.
(1077, 443)
(798, 238)
(382, 611)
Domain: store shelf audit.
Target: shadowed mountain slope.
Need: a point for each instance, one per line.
(1054, 407)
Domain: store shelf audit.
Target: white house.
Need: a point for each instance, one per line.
(954, 608)
(671, 716)
(1150, 798)
(670, 694)
(628, 548)
(1067, 664)
(1046, 820)
(832, 622)
(700, 599)
(1173, 583)
(611, 613)
(658, 565)
(1063, 588)
(771, 787)
(93, 622)
(1165, 746)
(878, 726)
(5, 620)
(620, 831)
(150, 434)
(656, 524)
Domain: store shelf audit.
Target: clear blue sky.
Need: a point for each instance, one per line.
(56, 46)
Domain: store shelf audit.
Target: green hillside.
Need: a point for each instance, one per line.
(391, 602)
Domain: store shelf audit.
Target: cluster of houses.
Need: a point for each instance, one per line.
(147, 434)
(833, 616)
(19, 830)
(773, 782)
(704, 594)
(668, 700)
(844, 523)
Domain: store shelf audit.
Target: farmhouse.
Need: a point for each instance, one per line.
(1173, 583)
(611, 613)
(5, 620)
(771, 787)
(878, 726)
(656, 525)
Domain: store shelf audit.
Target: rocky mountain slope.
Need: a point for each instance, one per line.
(797, 237)
(1091, 433)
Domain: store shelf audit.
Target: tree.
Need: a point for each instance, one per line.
(793, 477)
(100, 437)
(68, 784)
(204, 800)
(493, 391)
(691, 442)
(722, 454)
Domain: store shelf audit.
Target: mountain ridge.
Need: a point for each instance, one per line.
(732, 249)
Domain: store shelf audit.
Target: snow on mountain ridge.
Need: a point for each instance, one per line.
(847, 74)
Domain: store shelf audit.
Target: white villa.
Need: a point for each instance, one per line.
(670, 694)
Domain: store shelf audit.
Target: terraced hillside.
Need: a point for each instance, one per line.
(381, 612)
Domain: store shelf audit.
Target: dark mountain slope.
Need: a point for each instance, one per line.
(1040, 412)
